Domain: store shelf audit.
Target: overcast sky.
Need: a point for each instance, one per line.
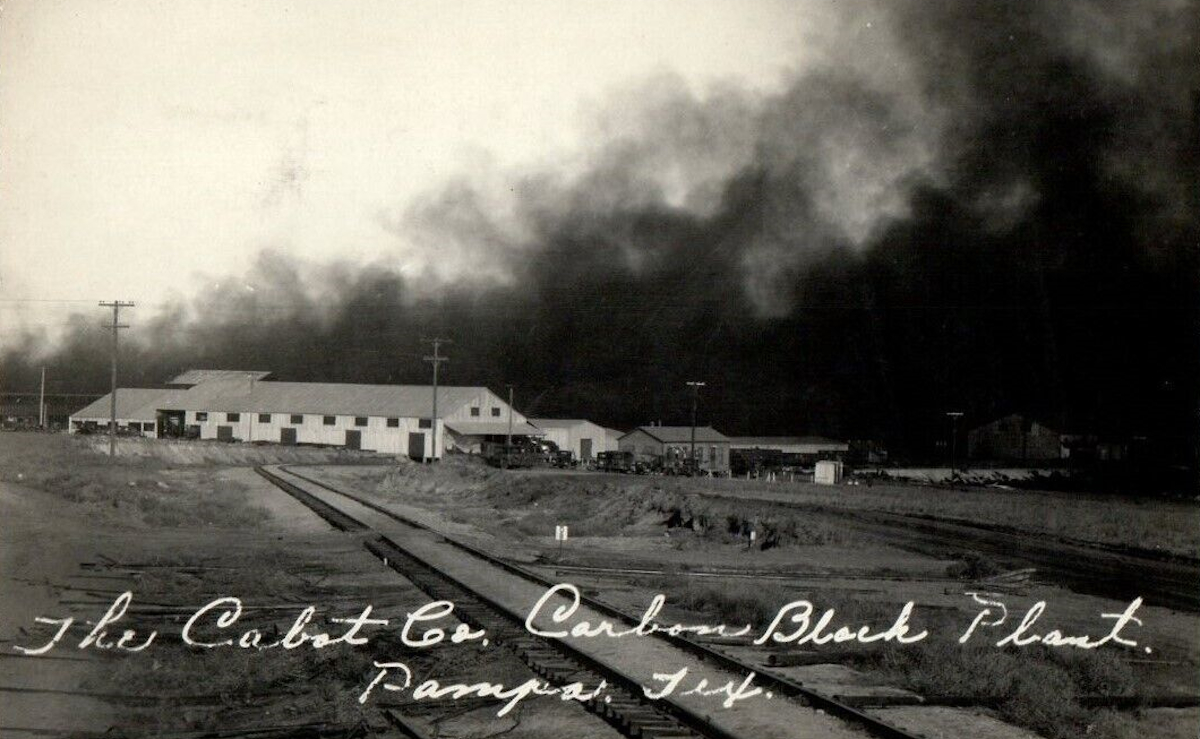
(145, 144)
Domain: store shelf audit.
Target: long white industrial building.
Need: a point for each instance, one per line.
(232, 406)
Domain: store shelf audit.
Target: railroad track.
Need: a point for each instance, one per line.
(551, 660)
(1096, 570)
(625, 707)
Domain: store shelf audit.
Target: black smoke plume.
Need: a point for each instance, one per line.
(980, 207)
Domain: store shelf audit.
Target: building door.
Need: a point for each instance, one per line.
(224, 433)
(354, 440)
(585, 449)
(416, 447)
(287, 436)
(171, 423)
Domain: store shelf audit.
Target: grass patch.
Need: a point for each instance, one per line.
(740, 602)
(592, 505)
(1147, 523)
(138, 490)
(734, 603)
(1037, 688)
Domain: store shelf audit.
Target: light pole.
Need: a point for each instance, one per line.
(954, 416)
(695, 400)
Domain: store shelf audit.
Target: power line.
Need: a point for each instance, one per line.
(45, 300)
(115, 327)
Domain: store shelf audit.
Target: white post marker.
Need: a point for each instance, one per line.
(753, 536)
(560, 534)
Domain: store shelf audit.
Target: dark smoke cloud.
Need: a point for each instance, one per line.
(986, 207)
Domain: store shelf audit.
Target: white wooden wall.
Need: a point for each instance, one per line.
(376, 435)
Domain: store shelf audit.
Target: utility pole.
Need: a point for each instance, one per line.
(42, 401)
(115, 327)
(954, 416)
(436, 359)
(695, 400)
(508, 439)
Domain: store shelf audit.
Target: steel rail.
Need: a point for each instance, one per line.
(623, 705)
(778, 683)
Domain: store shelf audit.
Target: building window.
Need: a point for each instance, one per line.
(134, 426)
(393, 423)
(360, 421)
(475, 412)
(297, 418)
(425, 423)
(264, 417)
(496, 412)
(233, 417)
(330, 420)
(147, 427)
(201, 416)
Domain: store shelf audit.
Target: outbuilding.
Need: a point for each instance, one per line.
(583, 439)
(665, 445)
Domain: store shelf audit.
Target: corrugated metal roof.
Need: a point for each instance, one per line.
(197, 376)
(492, 428)
(673, 434)
(329, 398)
(773, 441)
(133, 403)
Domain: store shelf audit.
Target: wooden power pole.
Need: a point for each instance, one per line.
(436, 359)
(694, 465)
(115, 327)
(953, 416)
(508, 439)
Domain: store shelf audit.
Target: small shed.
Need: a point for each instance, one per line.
(828, 472)
(582, 438)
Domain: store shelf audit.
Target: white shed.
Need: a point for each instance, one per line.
(583, 439)
(828, 472)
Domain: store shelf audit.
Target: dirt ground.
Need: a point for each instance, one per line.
(180, 525)
(228, 533)
(649, 535)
